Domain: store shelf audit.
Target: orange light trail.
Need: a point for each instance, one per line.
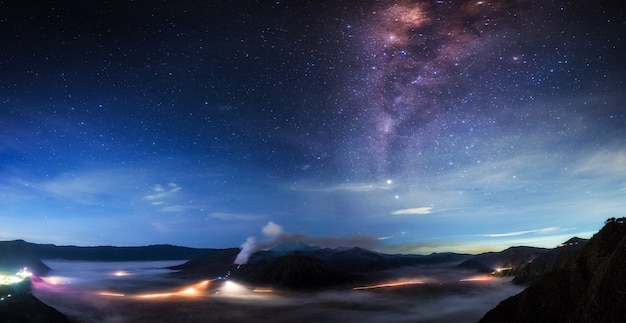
(402, 283)
(479, 278)
(263, 290)
(191, 290)
(111, 294)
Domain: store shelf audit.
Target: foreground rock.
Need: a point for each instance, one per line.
(590, 287)
(18, 305)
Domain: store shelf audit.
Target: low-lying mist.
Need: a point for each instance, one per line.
(145, 292)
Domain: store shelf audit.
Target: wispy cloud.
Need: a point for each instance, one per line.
(236, 216)
(605, 162)
(349, 187)
(519, 233)
(164, 197)
(88, 188)
(414, 211)
(176, 208)
(160, 192)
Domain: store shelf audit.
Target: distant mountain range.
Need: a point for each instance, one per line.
(589, 286)
(581, 280)
(206, 262)
(300, 265)
(18, 253)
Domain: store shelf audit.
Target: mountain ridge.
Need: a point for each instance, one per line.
(589, 287)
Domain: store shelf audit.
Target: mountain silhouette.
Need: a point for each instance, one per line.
(17, 254)
(17, 304)
(299, 272)
(217, 262)
(512, 259)
(21, 248)
(548, 261)
(589, 287)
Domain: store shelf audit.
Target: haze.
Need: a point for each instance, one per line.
(140, 292)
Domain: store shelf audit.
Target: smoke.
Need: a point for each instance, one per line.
(272, 230)
(247, 248)
(275, 235)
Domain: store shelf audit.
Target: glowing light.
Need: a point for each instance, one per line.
(121, 273)
(189, 291)
(401, 283)
(155, 295)
(232, 287)
(111, 294)
(478, 278)
(501, 269)
(55, 280)
(13, 279)
(192, 290)
(263, 290)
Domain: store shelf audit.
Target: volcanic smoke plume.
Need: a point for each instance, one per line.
(275, 235)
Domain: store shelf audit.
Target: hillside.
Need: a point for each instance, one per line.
(548, 261)
(214, 263)
(19, 306)
(299, 272)
(506, 262)
(15, 255)
(590, 287)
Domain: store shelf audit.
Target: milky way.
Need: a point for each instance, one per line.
(422, 125)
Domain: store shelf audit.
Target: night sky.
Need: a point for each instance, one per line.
(402, 126)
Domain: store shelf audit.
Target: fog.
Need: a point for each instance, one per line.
(145, 292)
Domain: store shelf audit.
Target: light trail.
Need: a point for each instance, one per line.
(479, 278)
(188, 291)
(111, 294)
(401, 283)
(192, 290)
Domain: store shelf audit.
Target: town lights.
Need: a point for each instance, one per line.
(16, 278)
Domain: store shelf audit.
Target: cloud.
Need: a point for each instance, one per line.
(236, 216)
(272, 230)
(160, 192)
(88, 188)
(176, 208)
(350, 187)
(519, 233)
(161, 195)
(605, 162)
(417, 210)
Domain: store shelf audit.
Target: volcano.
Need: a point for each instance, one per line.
(298, 272)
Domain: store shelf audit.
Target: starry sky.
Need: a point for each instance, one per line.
(402, 126)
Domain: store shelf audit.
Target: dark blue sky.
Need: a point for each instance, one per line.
(408, 126)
